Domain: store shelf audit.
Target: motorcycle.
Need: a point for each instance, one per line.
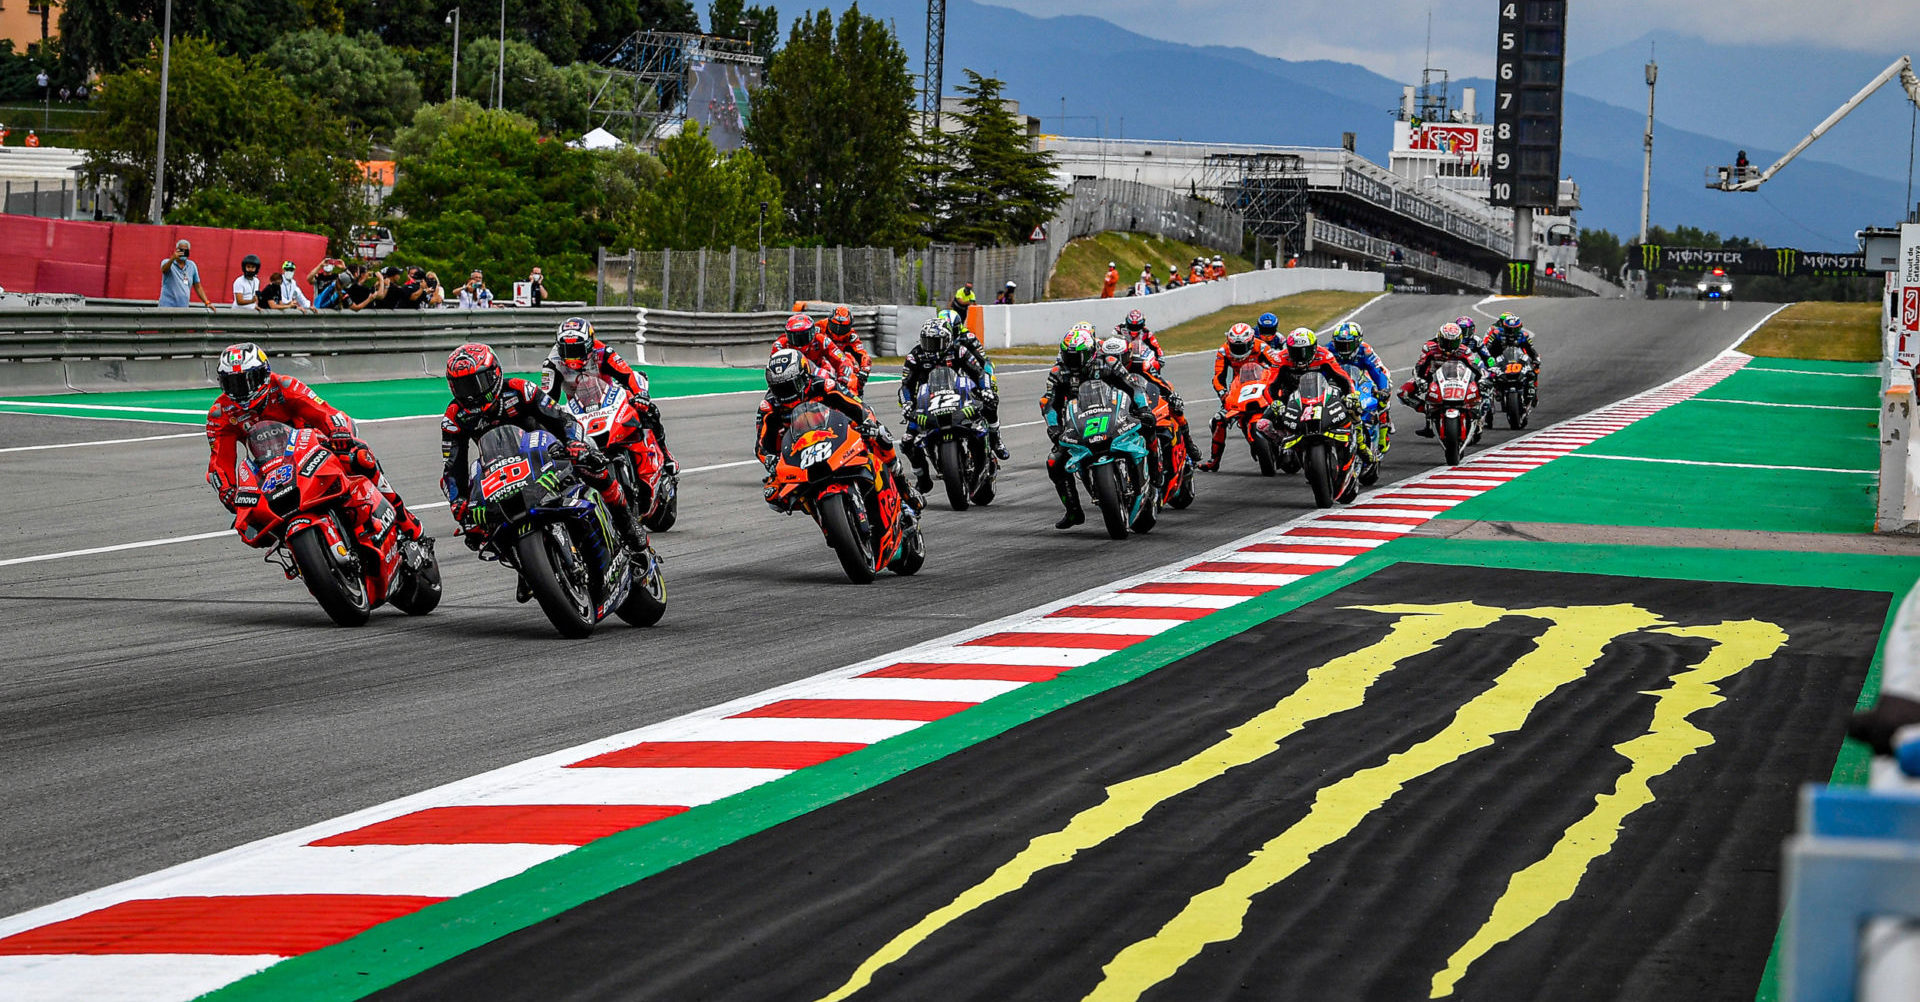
(1247, 397)
(1373, 432)
(1316, 425)
(1177, 469)
(827, 470)
(953, 435)
(543, 521)
(640, 463)
(1106, 447)
(1453, 408)
(1513, 378)
(329, 527)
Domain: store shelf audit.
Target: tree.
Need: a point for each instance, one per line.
(834, 123)
(705, 199)
(232, 125)
(734, 19)
(106, 36)
(359, 78)
(433, 121)
(556, 98)
(1601, 253)
(994, 187)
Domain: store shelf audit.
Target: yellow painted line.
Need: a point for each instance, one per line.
(1338, 685)
(1572, 644)
(1670, 738)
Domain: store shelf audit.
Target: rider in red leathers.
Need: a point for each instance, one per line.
(1134, 329)
(1449, 344)
(252, 393)
(577, 353)
(840, 331)
(1243, 345)
(793, 381)
(805, 337)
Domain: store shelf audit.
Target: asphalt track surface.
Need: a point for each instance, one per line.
(159, 704)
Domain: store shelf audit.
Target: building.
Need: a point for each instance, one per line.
(27, 22)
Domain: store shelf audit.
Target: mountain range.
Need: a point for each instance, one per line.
(1118, 83)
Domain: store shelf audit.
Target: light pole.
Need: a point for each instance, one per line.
(160, 144)
(453, 87)
(760, 301)
(500, 71)
(1646, 173)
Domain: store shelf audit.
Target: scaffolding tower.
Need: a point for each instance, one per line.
(644, 82)
(933, 67)
(1268, 189)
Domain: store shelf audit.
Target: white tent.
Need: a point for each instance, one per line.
(598, 139)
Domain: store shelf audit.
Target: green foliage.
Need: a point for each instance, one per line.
(359, 78)
(106, 36)
(704, 199)
(1601, 253)
(433, 121)
(227, 208)
(232, 124)
(734, 19)
(557, 98)
(20, 72)
(833, 122)
(490, 194)
(993, 188)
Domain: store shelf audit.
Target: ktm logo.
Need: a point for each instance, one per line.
(1572, 644)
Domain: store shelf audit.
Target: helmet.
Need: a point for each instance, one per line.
(788, 375)
(1136, 322)
(1509, 323)
(1466, 325)
(576, 343)
(800, 329)
(250, 261)
(1239, 341)
(1345, 341)
(951, 318)
(840, 323)
(1076, 349)
(1114, 351)
(243, 373)
(1449, 337)
(1268, 325)
(1301, 346)
(935, 336)
(473, 375)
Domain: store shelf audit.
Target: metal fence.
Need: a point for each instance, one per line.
(1322, 234)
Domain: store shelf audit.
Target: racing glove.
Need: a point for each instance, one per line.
(342, 443)
(227, 496)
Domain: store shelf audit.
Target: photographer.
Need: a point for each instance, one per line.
(355, 293)
(475, 295)
(179, 276)
(397, 290)
(432, 296)
(538, 286)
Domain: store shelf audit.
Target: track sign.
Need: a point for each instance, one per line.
(1530, 54)
(1906, 332)
(1039, 234)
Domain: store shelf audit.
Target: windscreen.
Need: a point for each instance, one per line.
(268, 442)
(502, 442)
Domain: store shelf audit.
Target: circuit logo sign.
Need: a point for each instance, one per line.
(1910, 308)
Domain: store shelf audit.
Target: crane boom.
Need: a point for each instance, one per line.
(1734, 179)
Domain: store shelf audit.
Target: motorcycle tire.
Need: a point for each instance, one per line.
(953, 473)
(843, 534)
(1149, 500)
(1453, 438)
(568, 604)
(1107, 494)
(421, 593)
(1263, 454)
(342, 594)
(1320, 473)
(1369, 474)
(913, 552)
(1183, 494)
(983, 494)
(1516, 409)
(647, 597)
(662, 518)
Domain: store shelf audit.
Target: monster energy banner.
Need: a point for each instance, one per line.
(1782, 261)
(1518, 279)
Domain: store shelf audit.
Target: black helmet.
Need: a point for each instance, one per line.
(474, 377)
(1301, 347)
(788, 375)
(250, 261)
(935, 336)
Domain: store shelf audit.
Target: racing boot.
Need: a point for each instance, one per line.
(522, 591)
(1193, 448)
(913, 498)
(404, 521)
(993, 441)
(1074, 515)
(922, 475)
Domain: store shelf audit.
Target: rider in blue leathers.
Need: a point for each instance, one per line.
(1358, 357)
(1507, 332)
(1267, 330)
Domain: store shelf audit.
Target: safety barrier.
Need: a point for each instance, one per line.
(91, 349)
(1899, 501)
(1042, 323)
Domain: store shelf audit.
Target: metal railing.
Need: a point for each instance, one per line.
(1323, 233)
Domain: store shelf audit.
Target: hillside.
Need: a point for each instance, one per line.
(1082, 268)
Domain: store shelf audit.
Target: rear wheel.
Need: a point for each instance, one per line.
(668, 512)
(1183, 494)
(1106, 493)
(953, 472)
(1515, 408)
(556, 572)
(1263, 454)
(422, 592)
(1319, 464)
(1453, 438)
(843, 534)
(337, 588)
(647, 598)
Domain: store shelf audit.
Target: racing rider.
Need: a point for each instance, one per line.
(1243, 345)
(250, 392)
(792, 381)
(805, 336)
(840, 331)
(1144, 360)
(483, 399)
(578, 353)
(938, 347)
(961, 333)
(1075, 365)
(1449, 344)
(1349, 346)
(1267, 329)
(1507, 332)
(1134, 328)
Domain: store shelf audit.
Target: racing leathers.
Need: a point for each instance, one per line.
(1143, 336)
(1063, 387)
(1366, 360)
(847, 340)
(1499, 339)
(561, 382)
(963, 354)
(1225, 365)
(826, 357)
(824, 388)
(293, 403)
(1143, 360)
(1414, 391)
(525, 406)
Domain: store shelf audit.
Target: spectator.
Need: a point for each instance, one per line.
(355, 293)
(1293, 261)
(323, 273)
(537, 286)
(179, 276)
(1174, 279)
(33, 138)
(1005, 298)
(246, 288)
(475, 295)
(430, 297)
(84, 93)
(1112, 281)
(398, 292)
(285, 292)
(963, 298)
(66, 94)
(4, 133)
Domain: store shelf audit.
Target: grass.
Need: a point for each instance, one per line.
(1837, 332)
(1082, 268)
(1306, 309)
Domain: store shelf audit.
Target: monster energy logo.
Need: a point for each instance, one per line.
(1649, 257)
(1786, 258)
(1520, 278)
(1573, 643)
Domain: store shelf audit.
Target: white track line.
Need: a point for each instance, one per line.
(1769, 403)
(107, 441)
(1702, 462)
(1816, 372)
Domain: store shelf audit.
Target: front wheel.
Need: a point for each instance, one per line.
(555, 570)
(1453, 438)
(1263, 454)
(647, 597)
(843, 534)
(953, 473)
(1107, 494)
(1319, 464)
(338, 589)
(1515, 407)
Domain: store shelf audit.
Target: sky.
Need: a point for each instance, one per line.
(1389, 36)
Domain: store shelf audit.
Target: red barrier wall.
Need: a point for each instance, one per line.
(122, 260)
